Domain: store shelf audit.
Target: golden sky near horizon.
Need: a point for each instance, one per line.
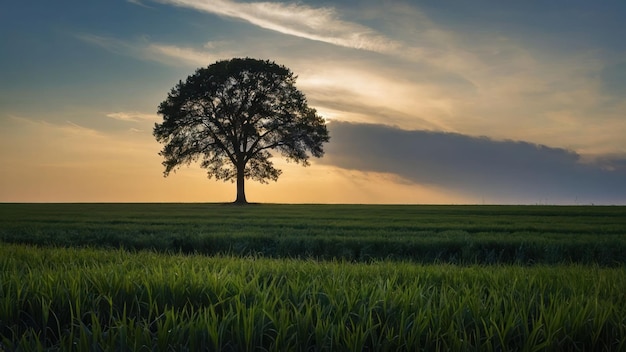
(506, 103)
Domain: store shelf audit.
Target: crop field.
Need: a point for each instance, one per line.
(424, 234)
(176, 277)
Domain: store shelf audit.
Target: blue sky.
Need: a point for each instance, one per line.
(427, 102)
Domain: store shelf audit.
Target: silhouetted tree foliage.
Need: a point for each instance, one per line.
(231, 114)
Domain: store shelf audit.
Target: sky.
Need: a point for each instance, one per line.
(426, 102)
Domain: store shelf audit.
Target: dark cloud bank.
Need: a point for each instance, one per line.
(489, 170)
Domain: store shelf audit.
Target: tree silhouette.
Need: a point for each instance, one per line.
(231, 114)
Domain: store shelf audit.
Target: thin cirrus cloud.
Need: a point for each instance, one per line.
(319, 24)
(167, 54)
(186, 55)
(133, 116)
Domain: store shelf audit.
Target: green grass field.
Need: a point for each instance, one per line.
(423, 234)
(134, 277)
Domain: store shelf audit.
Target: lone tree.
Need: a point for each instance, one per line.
(231, 114)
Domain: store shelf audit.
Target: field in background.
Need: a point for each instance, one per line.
(133, 277)
(423, 234)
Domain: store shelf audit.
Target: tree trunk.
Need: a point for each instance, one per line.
(241, 192)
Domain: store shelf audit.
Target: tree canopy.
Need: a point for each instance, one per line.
(231, 114)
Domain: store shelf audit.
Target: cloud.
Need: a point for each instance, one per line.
(113, 45)
(68, 128)
(320, 24)
(132, 116)
(497, 171)
(352, 91)
(168, 54)
(139, 3)
(432, 77)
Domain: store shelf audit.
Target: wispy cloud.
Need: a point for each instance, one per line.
(111, 44)
(171, 55)
(132, 116)
(139, 2)
(187, 56)
(68, 127)
(320, 24)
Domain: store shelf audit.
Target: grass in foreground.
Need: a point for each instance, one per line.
(94, 299)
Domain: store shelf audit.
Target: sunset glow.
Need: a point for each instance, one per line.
(465, 102)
